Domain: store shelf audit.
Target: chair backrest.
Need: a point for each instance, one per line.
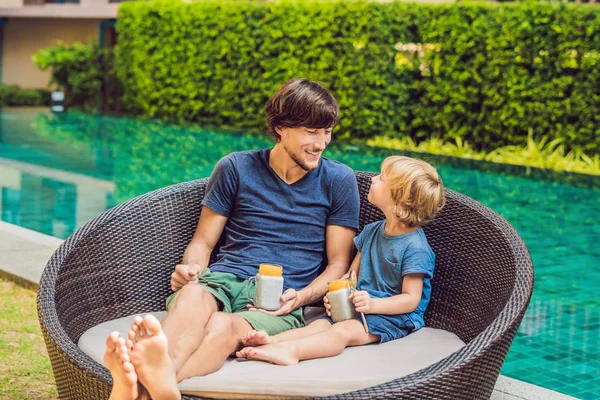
(120, 263)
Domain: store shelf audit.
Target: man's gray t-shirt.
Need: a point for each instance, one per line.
(270, 221)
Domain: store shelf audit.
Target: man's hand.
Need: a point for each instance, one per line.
(362, 301)
(184, 274)
(289, 302)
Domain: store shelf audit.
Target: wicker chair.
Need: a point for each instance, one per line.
(120, 264)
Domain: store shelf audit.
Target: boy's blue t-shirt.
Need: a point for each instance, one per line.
(385, 259)
(270, 221)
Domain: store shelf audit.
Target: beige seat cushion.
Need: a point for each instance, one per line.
(355, 368)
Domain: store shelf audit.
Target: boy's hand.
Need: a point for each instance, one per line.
(184, 274)
(327, 306)
(362, 301)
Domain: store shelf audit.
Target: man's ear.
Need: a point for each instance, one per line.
(280, 131)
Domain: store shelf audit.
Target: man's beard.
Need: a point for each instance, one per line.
(299, 162)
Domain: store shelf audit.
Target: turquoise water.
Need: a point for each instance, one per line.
(56, 173)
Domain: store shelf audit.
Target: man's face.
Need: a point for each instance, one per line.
(305, 145)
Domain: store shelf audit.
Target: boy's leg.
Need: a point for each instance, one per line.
(260, 338)
(223, 336)
(328, 343)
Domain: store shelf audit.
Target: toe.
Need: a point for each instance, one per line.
(131, 336)
(124, 353)
(241, 353)
(112, 341)
(137, 326)
(152, 324)
(125, 358)
(251, 352)
(128, 367)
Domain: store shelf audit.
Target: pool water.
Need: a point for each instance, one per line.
(58, 172)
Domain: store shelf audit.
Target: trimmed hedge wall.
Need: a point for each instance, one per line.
(486, 73)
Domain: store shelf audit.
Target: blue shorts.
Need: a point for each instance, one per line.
(388, 327)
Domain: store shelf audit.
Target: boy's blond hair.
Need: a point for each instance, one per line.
(417, 189)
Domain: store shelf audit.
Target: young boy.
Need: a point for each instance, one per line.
(394, 265)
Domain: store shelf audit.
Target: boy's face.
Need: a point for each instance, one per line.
(380, 193)
(305, 145)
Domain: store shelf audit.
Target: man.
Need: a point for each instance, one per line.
(284, 205)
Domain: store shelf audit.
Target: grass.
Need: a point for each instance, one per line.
(25, 371)
(537, 153)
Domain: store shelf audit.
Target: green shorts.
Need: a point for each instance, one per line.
(233, 294)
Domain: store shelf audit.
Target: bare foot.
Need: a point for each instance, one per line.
(280, 354)
(257, 338)
(116, 359)
(151, 359)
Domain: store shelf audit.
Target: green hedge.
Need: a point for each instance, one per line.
(86, 73)
(484, 73)
(13, 95)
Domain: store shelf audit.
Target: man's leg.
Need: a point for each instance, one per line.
(186, 321)
(150, 357)
(116, 359)
(260, 338)
(223, 337)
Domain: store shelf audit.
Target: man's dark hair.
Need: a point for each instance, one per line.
(301, 102)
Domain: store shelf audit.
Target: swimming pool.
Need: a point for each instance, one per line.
(56, 173)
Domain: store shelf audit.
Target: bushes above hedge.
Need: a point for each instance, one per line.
(86, 73)
(13, 95)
